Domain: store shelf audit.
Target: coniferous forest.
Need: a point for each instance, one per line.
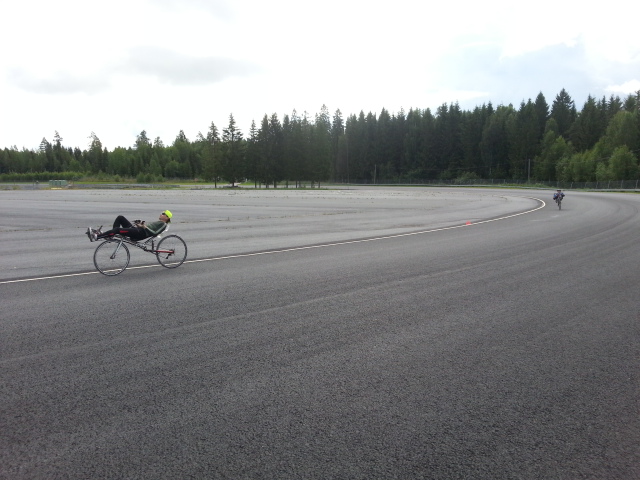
(537, 142)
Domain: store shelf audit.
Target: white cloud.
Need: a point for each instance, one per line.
(627, 88)
(183, 69)
(56, 82)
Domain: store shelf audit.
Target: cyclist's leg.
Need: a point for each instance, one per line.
(121, 226)
(121, 221)
(134, 233)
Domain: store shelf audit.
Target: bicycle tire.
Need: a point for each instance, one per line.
(175, 254)
(111, 258)
(559, 204)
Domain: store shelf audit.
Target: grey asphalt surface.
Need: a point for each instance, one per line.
(502, 349)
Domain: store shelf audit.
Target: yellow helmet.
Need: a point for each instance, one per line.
(168, 213)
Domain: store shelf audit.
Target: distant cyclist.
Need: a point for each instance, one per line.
(138, 230)
(559, 194)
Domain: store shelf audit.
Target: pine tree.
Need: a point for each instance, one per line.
(472, 125)
(143, 152)
(276, 150)
(542, 113)
(252, 155)
(495, 143)
(338, 146)
(321, 146)
(589, 125)
(563, 111)
(209, 152)
(95, 156)
(524, 140)
(614, 105)
(232, 153)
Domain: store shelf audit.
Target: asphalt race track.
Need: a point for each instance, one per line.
(344, 334)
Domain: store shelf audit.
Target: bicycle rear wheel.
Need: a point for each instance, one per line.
(111, 257)
(171, 251)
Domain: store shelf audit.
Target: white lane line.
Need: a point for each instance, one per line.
(293, 249)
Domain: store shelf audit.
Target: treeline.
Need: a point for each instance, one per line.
(534, 141)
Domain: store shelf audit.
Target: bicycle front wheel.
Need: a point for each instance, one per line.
(171, 251)
(111, 258)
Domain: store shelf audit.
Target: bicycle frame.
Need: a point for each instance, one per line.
(112, 256)
(141, 244)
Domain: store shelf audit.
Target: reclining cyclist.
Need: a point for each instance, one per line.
(559, 194)
(138, 230)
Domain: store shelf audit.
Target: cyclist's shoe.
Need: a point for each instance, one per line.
(93, 234)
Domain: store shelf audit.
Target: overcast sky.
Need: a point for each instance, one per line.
(119, 67)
